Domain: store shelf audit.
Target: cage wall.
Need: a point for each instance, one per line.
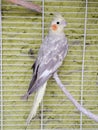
(21, 29)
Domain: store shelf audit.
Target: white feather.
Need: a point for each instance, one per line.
(45, 73)
(37, 100)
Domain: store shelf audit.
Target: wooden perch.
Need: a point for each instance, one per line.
(76, 104)
(27, 5)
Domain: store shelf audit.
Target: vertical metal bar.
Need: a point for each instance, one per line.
(1, 94)
(83, 62)
(42, 41)
(42, 20)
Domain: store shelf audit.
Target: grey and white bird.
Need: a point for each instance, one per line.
(50, 57)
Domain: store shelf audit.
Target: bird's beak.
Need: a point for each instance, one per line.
(54, 27)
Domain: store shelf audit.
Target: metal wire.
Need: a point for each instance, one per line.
(42, 104)
(1, 89)
(83, 62)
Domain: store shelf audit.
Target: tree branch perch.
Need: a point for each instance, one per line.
(28, 5)
(76, 104)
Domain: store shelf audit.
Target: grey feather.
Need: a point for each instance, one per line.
(50, 57)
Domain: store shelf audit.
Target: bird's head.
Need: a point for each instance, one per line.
(58, 23)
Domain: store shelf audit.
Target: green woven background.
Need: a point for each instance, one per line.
(22, 30)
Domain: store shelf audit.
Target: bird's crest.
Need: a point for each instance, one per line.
(58, 15)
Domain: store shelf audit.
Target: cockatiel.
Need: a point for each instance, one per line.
(50, 57)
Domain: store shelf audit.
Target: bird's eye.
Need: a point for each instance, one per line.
(58, 22)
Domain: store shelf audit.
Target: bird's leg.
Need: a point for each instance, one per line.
(76, 104)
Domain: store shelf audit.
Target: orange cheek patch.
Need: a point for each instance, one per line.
(54, 27)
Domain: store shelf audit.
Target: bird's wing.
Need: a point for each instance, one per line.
(49, 63)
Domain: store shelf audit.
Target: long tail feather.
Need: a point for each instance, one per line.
(37, 100)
